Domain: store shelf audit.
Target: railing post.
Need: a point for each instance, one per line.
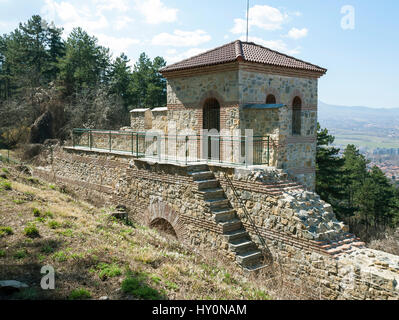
(137, 144)
(268, 150)
(186, 148)
(132, 142)
(73, 138)
(110, 142)
(90, 139)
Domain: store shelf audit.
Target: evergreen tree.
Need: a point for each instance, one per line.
(354, 175)
(121, 78)
(148, 86)
(85, 65)
(328, 170)
(28, 56)
(375, 199)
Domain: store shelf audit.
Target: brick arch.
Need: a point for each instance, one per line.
(211, 94)
(296, 93)
(159, 209)
(274, 92)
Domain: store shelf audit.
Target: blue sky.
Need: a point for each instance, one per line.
(362, 61)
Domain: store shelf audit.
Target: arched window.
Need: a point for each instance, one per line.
(296, 116)
(270, 99)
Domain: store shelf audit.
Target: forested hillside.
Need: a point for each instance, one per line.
(365, 199)
(64, 82)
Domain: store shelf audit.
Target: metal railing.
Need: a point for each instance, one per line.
(181, 148)
(265, 250)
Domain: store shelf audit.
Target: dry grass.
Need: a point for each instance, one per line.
(90, 252)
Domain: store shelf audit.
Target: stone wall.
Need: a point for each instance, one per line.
(296, 154)
(301, 230)
(190, 91)
(141, 119)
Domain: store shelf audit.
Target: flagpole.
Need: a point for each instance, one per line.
(247, 18)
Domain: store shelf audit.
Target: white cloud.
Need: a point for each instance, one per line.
(278, 45)
(175, 57)
(117, 45)
(122, 22)
(120, 5)
(181, 38)
(156, 12)
(295, 33)
(263, 17)
(171, 51)
(73, 16)
(94, 17)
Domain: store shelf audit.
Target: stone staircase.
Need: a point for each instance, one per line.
(247, 254)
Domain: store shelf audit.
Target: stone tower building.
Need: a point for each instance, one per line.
(242, 85)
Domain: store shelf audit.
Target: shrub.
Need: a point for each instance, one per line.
(5, 170)
(33, 180)
(20, 254)
(52, 187)
(31, 231)
(36, 212)
(60, 256)
(5, 185)
(108, 270)
(138, 289)
(47, 249)
(79, 294)
(2, 253)
(171, 285)
(54, 224)
(48, 214)
(5, 231)
(261, 295)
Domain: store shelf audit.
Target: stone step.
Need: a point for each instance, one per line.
(231, 225)
(236, 235)
(255, 267)
(222, 215)
(213, 193)
(218, 203)
(202, 175)
(242, 245)
(197, 168)
(249, 258)
(207, 184)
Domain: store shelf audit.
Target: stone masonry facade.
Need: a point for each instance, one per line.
(300, 230)
(233, 87)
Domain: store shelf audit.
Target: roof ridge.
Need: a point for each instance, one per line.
(284, 54)
(240, 51)
(238, 48)
(197, 55)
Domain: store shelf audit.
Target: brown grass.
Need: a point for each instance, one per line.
(84, 236)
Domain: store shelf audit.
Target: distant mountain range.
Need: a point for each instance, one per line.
(365, 127)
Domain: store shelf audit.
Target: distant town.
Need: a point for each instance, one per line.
(387, 159)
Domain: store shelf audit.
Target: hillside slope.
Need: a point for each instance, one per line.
(96, 256)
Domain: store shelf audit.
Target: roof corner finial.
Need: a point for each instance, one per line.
(247, 18)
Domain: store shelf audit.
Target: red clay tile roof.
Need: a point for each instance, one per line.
(246, 51)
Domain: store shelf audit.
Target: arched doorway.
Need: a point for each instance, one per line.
(296, 116)
(211, 122)
(164, 227)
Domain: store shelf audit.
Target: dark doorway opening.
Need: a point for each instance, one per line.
(211, 121)
(164, 227)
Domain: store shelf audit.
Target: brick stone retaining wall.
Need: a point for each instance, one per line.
(300, 229)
